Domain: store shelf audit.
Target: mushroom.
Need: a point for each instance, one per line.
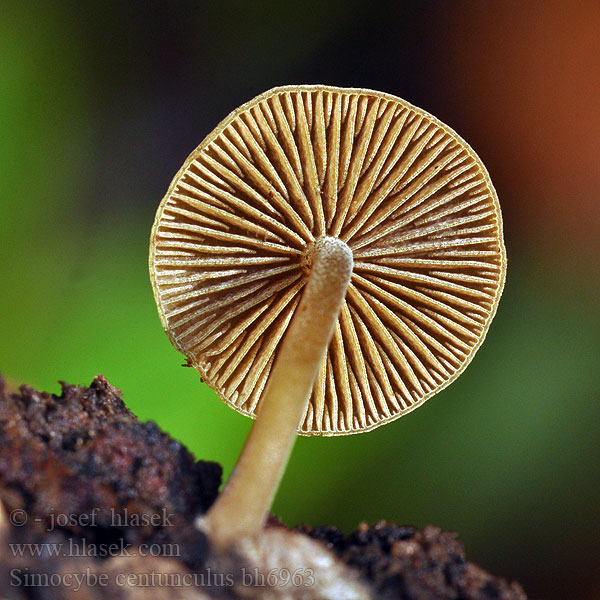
(328, 259)
(3, 519)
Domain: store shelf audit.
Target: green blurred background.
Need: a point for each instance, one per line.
(99, 107)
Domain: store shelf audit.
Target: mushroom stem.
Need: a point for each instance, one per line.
(242, 507)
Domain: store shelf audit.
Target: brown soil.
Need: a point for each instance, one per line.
(90, 479)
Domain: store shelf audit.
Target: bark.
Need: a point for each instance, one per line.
(95, 504)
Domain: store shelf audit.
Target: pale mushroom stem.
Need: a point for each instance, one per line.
(3, 519)
(242, 507)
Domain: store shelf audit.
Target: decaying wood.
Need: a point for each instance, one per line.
(85, 456)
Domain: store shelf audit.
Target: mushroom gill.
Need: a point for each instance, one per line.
(233, 237)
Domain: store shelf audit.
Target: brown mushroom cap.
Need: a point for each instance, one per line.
(231, 245)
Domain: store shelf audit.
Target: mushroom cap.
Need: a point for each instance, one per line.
(231, 240)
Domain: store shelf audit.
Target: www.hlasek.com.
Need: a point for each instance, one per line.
(91, 578)
(83, 548)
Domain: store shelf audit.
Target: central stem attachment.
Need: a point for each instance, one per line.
(242, 507)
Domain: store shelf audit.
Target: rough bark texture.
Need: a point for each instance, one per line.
(404, 562)
(82, 478)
